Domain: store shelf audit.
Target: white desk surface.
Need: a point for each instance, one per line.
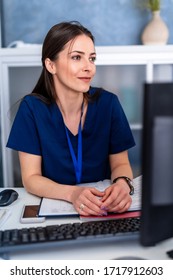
(106, 251)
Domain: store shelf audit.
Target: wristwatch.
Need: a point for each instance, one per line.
(128, 181)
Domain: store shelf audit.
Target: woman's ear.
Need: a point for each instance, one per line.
(49, 64)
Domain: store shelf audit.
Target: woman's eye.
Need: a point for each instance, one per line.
(92, 59)
(76, 57)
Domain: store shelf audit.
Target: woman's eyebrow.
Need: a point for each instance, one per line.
(93, 53)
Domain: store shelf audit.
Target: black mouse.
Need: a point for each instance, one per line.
(7, 196)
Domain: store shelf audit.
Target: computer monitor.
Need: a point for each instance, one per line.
(157, 164)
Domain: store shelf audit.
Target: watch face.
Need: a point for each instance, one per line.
(131, 190)
(130, 183)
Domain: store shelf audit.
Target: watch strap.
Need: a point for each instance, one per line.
(128, 181)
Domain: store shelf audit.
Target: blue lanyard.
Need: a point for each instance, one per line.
(77, 161)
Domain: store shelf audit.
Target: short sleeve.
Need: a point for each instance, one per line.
(24, 136)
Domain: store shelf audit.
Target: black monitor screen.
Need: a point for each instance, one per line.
(157, 164)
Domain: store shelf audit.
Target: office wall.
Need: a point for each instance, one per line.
(113, 22)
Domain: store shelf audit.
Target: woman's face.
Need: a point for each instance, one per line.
(75, 66)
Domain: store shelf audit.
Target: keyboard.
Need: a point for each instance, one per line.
(48, 237)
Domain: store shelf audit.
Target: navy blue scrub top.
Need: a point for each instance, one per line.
(39, 129)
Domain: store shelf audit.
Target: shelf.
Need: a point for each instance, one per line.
(136, 126)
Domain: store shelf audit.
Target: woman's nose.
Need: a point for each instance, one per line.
(87, 66)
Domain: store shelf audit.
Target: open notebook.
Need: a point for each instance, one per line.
(60, 208)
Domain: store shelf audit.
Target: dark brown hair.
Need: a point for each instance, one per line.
(56, 39)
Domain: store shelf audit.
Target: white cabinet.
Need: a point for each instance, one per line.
(122, 70)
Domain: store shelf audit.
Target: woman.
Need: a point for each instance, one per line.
(68, 133)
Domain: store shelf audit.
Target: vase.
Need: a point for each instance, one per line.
(156, 31)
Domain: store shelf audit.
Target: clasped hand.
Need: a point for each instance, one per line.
(90, 201)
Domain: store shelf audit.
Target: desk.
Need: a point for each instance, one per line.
(106, 251)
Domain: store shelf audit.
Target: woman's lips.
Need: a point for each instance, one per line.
(85, 79)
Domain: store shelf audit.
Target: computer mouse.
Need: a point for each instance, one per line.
(7, 197)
